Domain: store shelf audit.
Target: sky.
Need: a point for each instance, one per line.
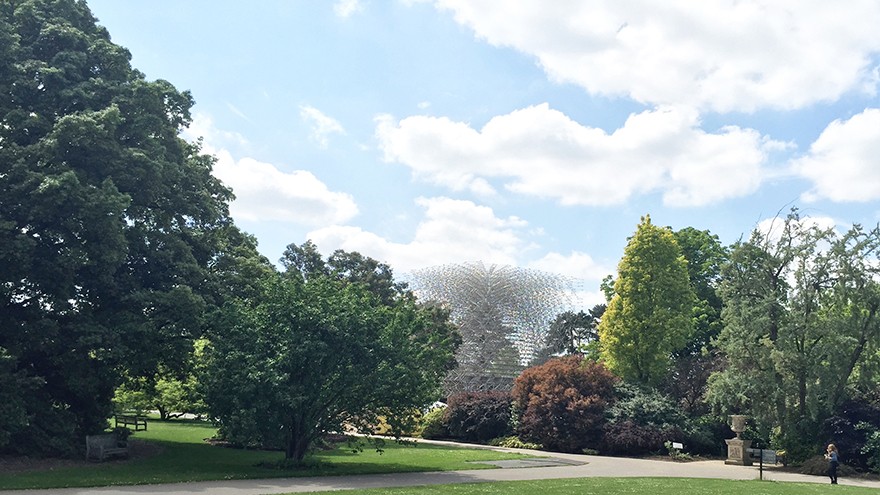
(527, 133)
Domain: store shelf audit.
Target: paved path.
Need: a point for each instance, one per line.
(561, 466)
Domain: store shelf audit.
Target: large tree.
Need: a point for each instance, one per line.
(800, 324)
(111, 226)
(693, 364)
(649, 316)
(570, 331)
(323, 355)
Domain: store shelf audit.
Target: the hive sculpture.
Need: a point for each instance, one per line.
(503, 313)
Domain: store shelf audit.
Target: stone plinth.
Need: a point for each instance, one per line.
(736, 452)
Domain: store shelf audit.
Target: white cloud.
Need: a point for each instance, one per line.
(725, 56)
(262, 191)
(347, 8)
(452, 231)
(202, 126)
(576, 264)
(541, 152)
(232, 108)
(322, 125)
(844, 161)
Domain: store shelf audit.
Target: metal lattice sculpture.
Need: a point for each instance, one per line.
(503, 313)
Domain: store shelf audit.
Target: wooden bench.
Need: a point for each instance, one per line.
(103, 446)
(134, 422)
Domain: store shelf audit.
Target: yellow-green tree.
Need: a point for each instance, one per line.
(649, 316)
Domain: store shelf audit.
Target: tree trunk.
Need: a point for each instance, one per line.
(297, 441)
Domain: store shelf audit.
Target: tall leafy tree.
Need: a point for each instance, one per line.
(649, 316)
(323, 355)
(693, 364)
(800, 320)
(111, 226)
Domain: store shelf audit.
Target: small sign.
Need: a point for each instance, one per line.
(676, 445)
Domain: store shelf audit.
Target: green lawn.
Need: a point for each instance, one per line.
(626, 486)
(186, 457)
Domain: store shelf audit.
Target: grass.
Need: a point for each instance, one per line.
(625, 486)
(186, 457)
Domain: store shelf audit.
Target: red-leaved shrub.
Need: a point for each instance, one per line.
(561, 403)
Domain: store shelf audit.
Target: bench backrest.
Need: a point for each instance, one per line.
(106, 440)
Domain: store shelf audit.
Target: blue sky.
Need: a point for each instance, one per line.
(525, 133)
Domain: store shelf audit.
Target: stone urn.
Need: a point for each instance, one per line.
(737, 448)
(738, 424)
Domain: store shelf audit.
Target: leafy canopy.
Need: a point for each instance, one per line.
(649, 316)
(322, 353)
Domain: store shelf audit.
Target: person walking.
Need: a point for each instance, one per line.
(833, 457)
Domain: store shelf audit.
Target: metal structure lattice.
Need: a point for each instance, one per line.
(503, 313)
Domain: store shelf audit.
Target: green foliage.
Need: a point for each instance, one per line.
(570, 330)
(305, 262)
(801, 314)
(649, 316)
(817, 465)
(479, 416)
(321, 354)
(561, 404)
(15, 387)
(676, 454)
(111, 226)
(134, 395)
(514, 442)
(640, 421)
(646, 407)
(852, 426)
(871, 448)
(434, 424)
(172, 395)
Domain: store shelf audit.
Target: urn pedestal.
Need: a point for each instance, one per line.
(737, 453)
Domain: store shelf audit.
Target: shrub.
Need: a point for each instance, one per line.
(641, 421)
(871, 448)
(818, 466)
(434, 424)
(479, 416)
(630, 438)
(513, 442)
(851, 429)
(675, 453)
(705, 435)
(561, 404)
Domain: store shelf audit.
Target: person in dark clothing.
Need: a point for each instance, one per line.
(833, 458)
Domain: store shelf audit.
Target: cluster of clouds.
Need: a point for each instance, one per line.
(680, 59)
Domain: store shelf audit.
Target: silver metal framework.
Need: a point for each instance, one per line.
(503, 312)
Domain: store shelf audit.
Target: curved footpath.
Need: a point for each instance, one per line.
(550, 466)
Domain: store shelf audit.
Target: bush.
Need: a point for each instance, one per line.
(630, 438)
(561, 404)
(513, 442)
(871, 449)
(641, 421)
(818, 466)
(705, 435)
(852, 429)
(479, 416)
(434, 424)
